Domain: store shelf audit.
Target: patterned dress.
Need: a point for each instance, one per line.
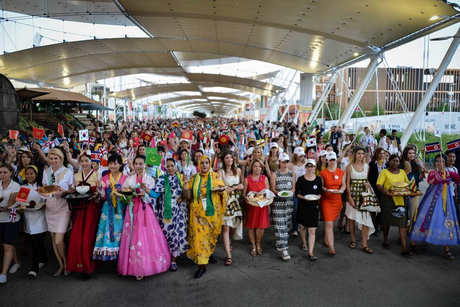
(111, 222)
(233, 216)
(174, 230)
(282, 210)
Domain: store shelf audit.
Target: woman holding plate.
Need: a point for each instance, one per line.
(306, 188)
(257, 219)
(8, 222)
(57, 211)
(143, 248)
(232, 227)
(283, 181)
(331, 203)
(35, 220)
(85, 221)
(206, 210)
(108, 236)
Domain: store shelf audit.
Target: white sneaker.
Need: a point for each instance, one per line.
(14, 268)
(3, 279)
(41, 264)
(295, 234)
(32, 274)
(286, 255)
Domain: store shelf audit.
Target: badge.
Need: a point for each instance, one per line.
(315, 187)
(336, 176)
(203, 202)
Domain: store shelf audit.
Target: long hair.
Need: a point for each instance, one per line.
(353, 156)
(233, 167)
(377, 152)
(404, 158)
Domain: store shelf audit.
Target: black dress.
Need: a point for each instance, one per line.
(308, 211)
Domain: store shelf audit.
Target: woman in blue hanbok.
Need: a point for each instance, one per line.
(437, 221)
(108, 235)
(171, 211)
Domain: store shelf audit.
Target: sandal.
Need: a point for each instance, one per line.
(386, 245)
(228, 262)
(253, 252)
(352, 244)
(312, 257)
(448, 255)
(173, 267)
(367, 249)
(325, 244)
(407, 253)
(259, 249)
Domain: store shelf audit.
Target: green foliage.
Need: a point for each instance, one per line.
(199, 114)
(380, 112)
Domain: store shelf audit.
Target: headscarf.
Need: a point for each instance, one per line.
(196, 186)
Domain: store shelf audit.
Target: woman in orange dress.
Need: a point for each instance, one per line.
(331, 203)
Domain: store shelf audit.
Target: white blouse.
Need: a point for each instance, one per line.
(63, 177)
(130, 182)
(12, 188)
(34, 221)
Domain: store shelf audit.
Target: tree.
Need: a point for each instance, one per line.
(199, 114)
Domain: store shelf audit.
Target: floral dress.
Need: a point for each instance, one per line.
(108, 235)
(175, 229)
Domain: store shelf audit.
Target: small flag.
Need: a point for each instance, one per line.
(14, 134)
(22, 195)
(437, 132)
(83, 135)
(224, 139)
(413, 185)
(120, 151)
(260, 143)
(453, 144)
(91, 141)
(243, 141)
(186, 136)
(55, 143)
(60, 129)
(103, 151)
(38, 133)
(147, 136)
(311, 142)
(96, 156)
(13, 214)
(273, 134)
(432, 147)
(76, 146)
(175, 124)
(152, 157)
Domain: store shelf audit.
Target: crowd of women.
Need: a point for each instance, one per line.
(144, 216)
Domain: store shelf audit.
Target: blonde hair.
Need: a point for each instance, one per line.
(257, 149)
(57, 152)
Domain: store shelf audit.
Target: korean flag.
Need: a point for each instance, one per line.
(83, 135)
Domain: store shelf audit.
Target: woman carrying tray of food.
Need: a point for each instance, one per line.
(57, 179)
(35, 220)
(206, 210)
(386, 180)
(85, 221)
(143, 248)
(257, 218)
(108, 236)
(308, 190)
(283, 181)
(232, 227)
(437, 221)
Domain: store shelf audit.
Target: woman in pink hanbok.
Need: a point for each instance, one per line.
(144, 250)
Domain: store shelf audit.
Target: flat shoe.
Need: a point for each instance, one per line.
(312, 257)
(367, 249)
(58, 273)
(352, 244)
(407, 254)
(139, 277)
(228, 262)
(386, 246)
(173, 267)
(448, 255)
(200, 272)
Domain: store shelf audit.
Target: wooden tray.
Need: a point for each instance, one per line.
(418, 193)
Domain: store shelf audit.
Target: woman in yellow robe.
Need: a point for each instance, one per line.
(206, 210)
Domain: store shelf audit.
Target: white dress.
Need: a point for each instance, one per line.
(361, 217)
(233, 216)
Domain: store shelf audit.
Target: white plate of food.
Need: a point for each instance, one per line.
(219, 188)
(285, 193)
(34, 207)
(334, 191)
(48, 191)
(312, 197)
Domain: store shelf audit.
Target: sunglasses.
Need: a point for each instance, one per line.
(310, 166)
(285, 161)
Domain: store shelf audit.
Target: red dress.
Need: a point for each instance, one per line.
(331, 204)
(257, 217)
(83, 235)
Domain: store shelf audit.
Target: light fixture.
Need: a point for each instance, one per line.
(435, 17)
(355, 54)
(443, 38)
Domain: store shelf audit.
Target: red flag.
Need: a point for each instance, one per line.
(14, 134)
(147, 135)
(23, 194)
(60, 129)
(186, 136)
(38, 133)
(224, 139)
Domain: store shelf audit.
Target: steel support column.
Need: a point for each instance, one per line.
(430, 90)
(348, 112)
(322, 98)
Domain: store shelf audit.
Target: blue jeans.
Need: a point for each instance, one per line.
(295, 226)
